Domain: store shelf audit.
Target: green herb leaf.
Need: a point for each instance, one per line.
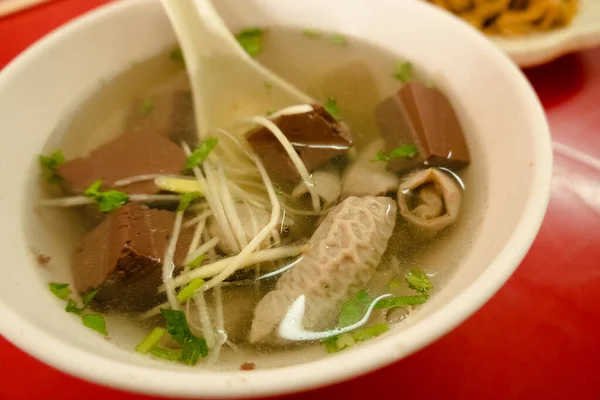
(401, 301)
(151, 340)
(407, 150)
(269, 113)
(332, 107)
(107, 201)
(371, 331)
(147, 106)
(354, 309)
(165, 354)
(403, 71)
(177, 55)
(338, 40)
(417, 280)
(404, 151)
(60, 290)
(312, 34)
(201, 153)
(88, 297)
(179, 330)
(186, 200)
(72, 307)
(251, 40)
(95, 322)
(48, 165)
(188, 291)
(197, 261)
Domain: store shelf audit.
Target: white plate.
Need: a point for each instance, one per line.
(584, 32)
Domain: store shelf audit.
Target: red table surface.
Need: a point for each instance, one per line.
(537, 338)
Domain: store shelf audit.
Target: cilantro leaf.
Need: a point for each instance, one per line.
(338, 40)
(88, 297)
(48, 165)
(177, 55)
(394, 284)
(354, 309)
(72, 307)
(201, 153)
(401, 301)
(332, 107)
(371, 331)
(403, 71)
(178, 328)
(407, 150)
(107, 201)
(95, 322)
(251, 40)
(186, 200)
(60, 290)
(151, 340)
(197, 261)
(404, 151)
(187, 292)
(417, 280)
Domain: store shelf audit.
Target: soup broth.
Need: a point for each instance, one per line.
(397, 229)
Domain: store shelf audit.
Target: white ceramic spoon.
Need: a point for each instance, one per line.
(227, 83)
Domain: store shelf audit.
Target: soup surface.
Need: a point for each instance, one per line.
(304, 230)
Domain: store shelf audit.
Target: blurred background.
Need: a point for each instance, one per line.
(537, 337)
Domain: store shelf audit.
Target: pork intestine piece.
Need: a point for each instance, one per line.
(327, 182)
(438, 198)
(365, 177)
(343, 255)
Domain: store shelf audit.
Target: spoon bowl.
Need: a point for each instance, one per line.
(227, 83)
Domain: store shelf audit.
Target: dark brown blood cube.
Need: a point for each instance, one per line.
(316, 136)
(422, 116)
(123, 257)
(131, 154)
(167, 114)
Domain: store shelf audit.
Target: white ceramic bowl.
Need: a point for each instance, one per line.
(507, 134)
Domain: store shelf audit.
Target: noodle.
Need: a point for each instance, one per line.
(512, 17)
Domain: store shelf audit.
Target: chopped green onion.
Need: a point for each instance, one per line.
(201, 153)
(251, 40)
(345, 340)
(401, 301)
(177, 55)
(187, 292)
(60, 290)
(147, 105)
(419, 281)
(151, 340)
(107, 201)
(371, 331)
(88, 297)
(72, 307)
(332, 107)
(354, 309)
(197, 261)
(165, 354)
(269, 113)
(403, 71)
(95, 322)
(48, 165)
(338, 40)
(312, 34)
(186, 200)
(404, 151)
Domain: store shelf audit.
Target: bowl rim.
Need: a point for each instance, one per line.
(186, 383)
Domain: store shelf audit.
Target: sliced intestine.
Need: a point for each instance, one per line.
(343, 255)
